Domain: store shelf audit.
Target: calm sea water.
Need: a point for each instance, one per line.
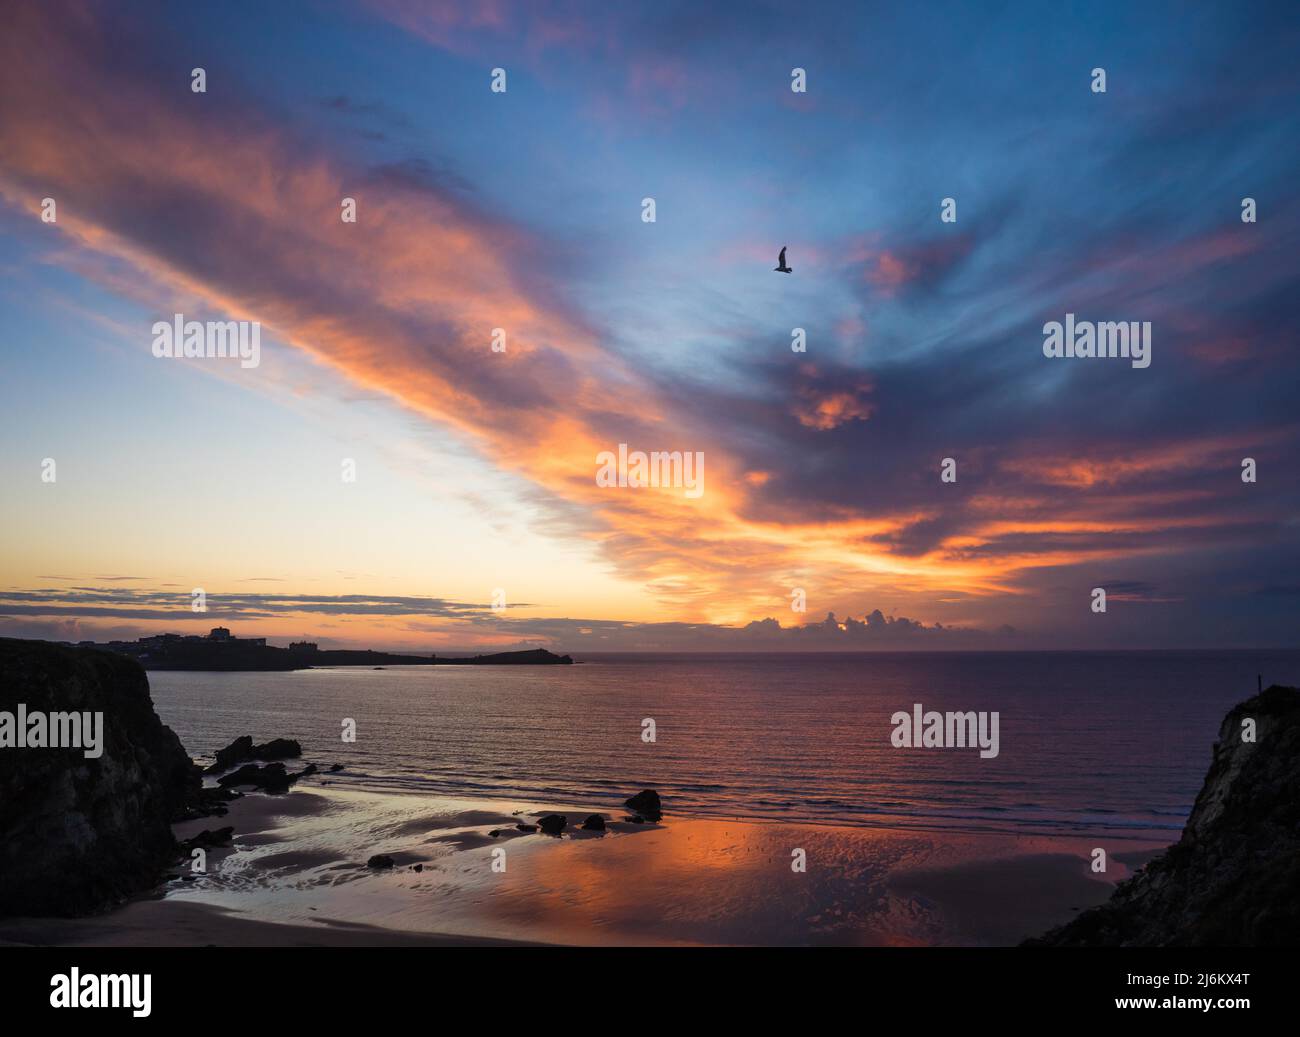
(1115, 742)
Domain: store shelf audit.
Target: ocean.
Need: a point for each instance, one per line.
(1106, 742)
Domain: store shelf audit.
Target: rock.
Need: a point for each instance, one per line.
(272, 778)
(208, 840)
(635, 819)
(553, 824)
(278, 784)
(78, 834)
(273, 774)
(236, 752)
(380, 862)
(277, 749)
(242, 750)
(496, 832)
(595, 823)
(206, 802)
(1231, 880)
(335, 768)
(526, 828)
(417, 867)
(645, 803)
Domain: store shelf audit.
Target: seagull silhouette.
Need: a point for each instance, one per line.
(780, 264)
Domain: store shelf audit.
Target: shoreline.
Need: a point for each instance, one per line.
(297, 875)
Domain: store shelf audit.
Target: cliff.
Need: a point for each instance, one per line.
(1233, 879)
(77, 834)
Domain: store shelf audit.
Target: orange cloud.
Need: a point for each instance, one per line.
(825, 411)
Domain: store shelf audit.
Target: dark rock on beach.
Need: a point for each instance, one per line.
(272, 778)
(207, 802)
(209, 840)
(553, 824)
(380, 862)
(595, 823)
(271, 775)
(645, 803)
(1233, 877)
(526, 828)
(76, 833)
(242, 749)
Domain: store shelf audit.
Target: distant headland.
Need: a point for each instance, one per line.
(221, 650)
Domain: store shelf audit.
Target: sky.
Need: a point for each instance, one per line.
(476, 517)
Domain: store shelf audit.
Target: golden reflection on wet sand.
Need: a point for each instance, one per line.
(301, 860)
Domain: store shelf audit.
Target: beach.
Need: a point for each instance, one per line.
(296, 874)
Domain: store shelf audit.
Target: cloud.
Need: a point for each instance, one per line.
(827, 474)
(104, 602)
(242, 220)
(825, 411)
(104, 614)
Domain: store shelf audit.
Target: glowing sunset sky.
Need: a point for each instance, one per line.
(522, 210)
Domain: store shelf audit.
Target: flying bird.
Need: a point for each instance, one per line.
(780, 264)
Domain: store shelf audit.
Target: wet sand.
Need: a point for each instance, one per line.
(297, 876)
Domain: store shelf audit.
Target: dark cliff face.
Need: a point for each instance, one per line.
(1233, 879)
(77, 834)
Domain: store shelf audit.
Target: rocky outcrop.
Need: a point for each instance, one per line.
(78, 833)
(553, 824)
(242, 750)
(272, 778)
(646, 804)
(207, 840)
(1233, 877)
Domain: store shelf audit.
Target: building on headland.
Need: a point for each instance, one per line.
(218, 649)
(160, 644)
(222, 635)
(303, 646)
